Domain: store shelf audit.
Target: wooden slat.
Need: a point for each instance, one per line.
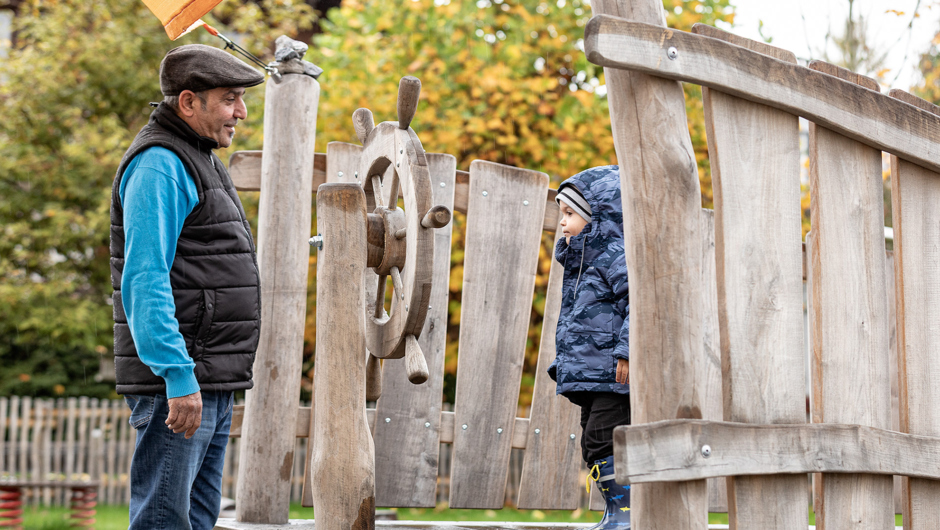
(82, 436)
(850, 332)
(407, 433)
(854, 111)
(893, 364)
(284, 220)
(550, 466)
(4, 429)
(35, 447)
(711, 350)
(662, 240)
(58, 450)
(754, 152)
(672, 450)
(501, 255)
(25, 427)
(48, 424)
(114, 441)
(12, 460)
(915, 193)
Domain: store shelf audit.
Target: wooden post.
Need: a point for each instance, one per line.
(342, 462)
(284, 215)
(662, 222)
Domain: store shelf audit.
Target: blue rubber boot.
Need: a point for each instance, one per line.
(617, 497)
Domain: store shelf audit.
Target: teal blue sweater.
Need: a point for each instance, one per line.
(157, 194)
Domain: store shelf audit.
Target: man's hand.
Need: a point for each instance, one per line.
(623, 371)
(186, 414)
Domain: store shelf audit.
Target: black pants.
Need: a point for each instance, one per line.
(600, 413)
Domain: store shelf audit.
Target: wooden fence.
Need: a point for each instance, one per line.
(90, 439)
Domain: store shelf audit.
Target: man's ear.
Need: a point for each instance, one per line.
(187, 102)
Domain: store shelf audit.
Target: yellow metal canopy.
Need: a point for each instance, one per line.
(180, 16)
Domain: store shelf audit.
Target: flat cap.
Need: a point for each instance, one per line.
(198, 67)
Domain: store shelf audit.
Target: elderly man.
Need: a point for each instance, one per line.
(187, 303)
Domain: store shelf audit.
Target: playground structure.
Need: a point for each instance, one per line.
(754, 94)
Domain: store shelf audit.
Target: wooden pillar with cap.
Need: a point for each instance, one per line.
(284, 217)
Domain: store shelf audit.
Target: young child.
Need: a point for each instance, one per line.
(591, 367)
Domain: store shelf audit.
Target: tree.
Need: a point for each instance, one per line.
(73, 94)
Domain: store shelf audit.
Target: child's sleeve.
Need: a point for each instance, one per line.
(617, 279)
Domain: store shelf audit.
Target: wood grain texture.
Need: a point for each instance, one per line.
(342, 463)
(915, 193)
(753, 45)
(245, 170)
(284, 218)
(754, 151)
(661, 204)
(852, 110)
(850, 318)
(406, 450)
(550, 467)
(501, 256)
(711, 350)
(672, 450)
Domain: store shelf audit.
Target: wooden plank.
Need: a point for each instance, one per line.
(673, 450)
(284, 220)
(550, 467)
(342, 464)
(893, 364)
(662, 199)
(58, 450)
(850, 339)
(711, 350)
(47, 447)
(26, 417)
(245, 170)
(35, 448)
(99, 471)
(82, 438)
(407, 435)
(849, 109)
(12, 460)
(915, 192)
(498, 282)
(114, 441)
(754, 151)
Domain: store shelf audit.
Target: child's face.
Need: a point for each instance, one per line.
(571, 222)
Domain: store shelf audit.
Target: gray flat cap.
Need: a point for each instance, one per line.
(198, 67)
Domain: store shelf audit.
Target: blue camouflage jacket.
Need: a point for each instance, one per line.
(594, 324)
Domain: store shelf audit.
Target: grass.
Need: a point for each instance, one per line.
(116, 517)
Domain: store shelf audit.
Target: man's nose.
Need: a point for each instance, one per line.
(241, 111)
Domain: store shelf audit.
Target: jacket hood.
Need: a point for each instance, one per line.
(600, 187)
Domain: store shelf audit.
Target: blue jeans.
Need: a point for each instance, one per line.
(176, 483)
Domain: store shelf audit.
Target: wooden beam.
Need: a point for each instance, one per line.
(844, 107)
(245, 169)
(673, 450)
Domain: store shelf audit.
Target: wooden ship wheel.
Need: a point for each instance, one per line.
(400, 237)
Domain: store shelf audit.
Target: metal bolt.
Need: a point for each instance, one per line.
(401, 151)
(464, 426)
(525, 203)
(538, 431)
(317, 241)
(388, 420)
(357, 174)
(485, 194)
(706, 451)
(427, 425)
(672, 53)
(429, 308)
(572, 437)
(406, 308)
(340, 174)
(397, 164)
(443, 185)
(499, 430)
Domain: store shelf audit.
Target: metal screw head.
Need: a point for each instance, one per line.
(499, 430)
(538, 431)
(397, 164)
(706, 451)
(401, 151)
(485, 194)
(388, 420)
(340, 174)
(525, 203)
(672, 53)
(572, 437)
(443, 185)
(427, 425)
(317, 241)
(464, 426)
(406, 308)
(357, 174)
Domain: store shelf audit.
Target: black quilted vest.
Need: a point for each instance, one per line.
(215, 280)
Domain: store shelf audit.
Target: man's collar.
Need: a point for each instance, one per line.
(167, 118)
